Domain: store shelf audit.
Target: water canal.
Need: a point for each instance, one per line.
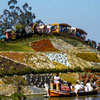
(41, 97)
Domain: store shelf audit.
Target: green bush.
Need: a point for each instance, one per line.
(77, 69)
(2, 72)
(4, 98)
(19, 26)
(92, 57)
(13, 71)
(17, 96)
(95, 69)
(92, 69)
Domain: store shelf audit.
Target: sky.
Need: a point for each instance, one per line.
(82, 14)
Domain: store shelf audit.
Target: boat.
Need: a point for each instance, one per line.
(54, 93)
(64, 91)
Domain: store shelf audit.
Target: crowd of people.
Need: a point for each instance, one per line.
(79, 86)
(88, 86)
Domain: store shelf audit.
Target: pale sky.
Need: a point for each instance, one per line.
(82, 14)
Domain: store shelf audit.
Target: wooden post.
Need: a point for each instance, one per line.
(57, 86)
(51, 86)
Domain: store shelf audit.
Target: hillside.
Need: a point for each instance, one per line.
(49, 52)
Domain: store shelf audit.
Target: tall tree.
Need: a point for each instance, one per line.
(15, 15)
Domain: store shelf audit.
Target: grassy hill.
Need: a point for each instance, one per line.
(49, 53)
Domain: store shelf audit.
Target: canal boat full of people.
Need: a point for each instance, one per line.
(54, 93)
(58, 89)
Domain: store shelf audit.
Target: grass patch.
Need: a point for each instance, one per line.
(20, 45)
(15, 46)
(92, 57)
(59, 66)
(69, 77)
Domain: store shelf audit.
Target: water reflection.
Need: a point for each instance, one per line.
(76, 98)
(96, 97)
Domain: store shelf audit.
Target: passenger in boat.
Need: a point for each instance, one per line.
(46, 88)
(77, 87)
(57, 80)
(94, 84)
(72, 87)
(85, 87)
(81, 86)
(89, 86)
(69, 85)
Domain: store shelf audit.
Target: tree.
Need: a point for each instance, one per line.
(39, 21)
(15, 15)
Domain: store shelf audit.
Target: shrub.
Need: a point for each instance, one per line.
(2, 72)
(77, 69)
(26, 70)
(13, 71)
(92, 69)
(95, 69)
(4, 98)
(17, 96)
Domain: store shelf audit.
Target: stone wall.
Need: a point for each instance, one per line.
(7, 90)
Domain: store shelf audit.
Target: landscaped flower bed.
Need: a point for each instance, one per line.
(15, 56)
(38, 61)
(59, 66)
(9, 67)
(43, 45)
(58, 57)
(92, 57)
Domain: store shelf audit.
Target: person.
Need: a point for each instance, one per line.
(89, 87)
(85, 88)
(81, 86)
(93, 84)
(77, 87)
(57, 82)
(46, 88)
(56, 78)
(69, 85)
(72, 87)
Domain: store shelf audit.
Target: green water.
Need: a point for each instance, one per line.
(40, 97)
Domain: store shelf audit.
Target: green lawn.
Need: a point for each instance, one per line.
(21, 45)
